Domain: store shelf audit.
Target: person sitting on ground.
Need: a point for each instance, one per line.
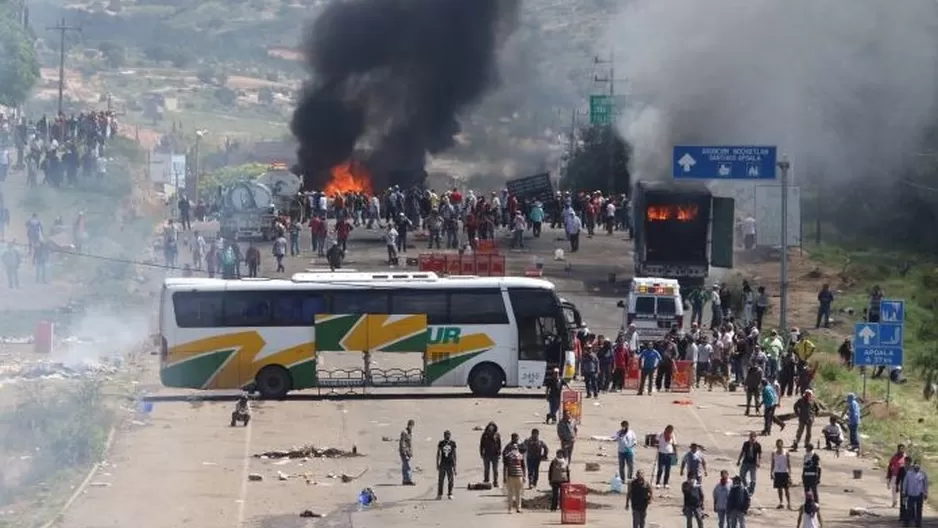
(833, 435)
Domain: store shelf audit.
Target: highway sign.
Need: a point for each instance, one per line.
(602, 109)
(881, 343)
(724, 163)
(891, 311)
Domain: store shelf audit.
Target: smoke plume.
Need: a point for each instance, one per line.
(845, 88)
(390, 77)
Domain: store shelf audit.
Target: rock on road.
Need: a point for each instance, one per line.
(187, 468)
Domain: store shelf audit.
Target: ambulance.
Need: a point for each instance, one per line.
(654, 306)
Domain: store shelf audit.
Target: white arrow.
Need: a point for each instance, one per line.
(866, 334)
(687, 161)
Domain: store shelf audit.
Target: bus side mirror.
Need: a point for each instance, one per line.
(620, 304)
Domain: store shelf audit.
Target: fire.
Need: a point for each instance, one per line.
(349, 177)
(681, 213)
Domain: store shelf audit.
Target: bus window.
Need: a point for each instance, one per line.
(360, 302)
(198, 309)
(248, 308)
(477, 307)
(533, 303)
(296, 308)
(666, 307)
(431, 302)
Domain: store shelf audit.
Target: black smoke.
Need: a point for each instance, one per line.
(389, 79)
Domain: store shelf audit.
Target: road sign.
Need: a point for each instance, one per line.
(724, 163)
(602, 109)
(881, 343)
(891, 311)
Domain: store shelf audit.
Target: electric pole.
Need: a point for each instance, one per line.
(62, 28)
(611, 80)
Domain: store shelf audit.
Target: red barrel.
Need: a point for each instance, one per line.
(44, 337)
(573, 503)
(468, 266)
(483, 265)
(425, 262)
(438, 263)
(452, 264)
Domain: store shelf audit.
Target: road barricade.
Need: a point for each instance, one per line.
(633, 375)
(485, 265)
(683, 377)
(573, 503)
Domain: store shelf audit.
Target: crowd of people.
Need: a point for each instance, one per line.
(62, 148)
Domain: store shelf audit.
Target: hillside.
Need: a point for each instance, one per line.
(232, 67)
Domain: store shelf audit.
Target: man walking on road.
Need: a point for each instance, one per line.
(490, 449)
(566, 431)
(638, 497)
(649, 360)
(749, 461)
(514, 477)
(445, 465)
(915, 490)
(737, 504)
(721, 493)
(406, 450)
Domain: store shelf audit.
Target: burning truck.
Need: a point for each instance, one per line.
(681, 230)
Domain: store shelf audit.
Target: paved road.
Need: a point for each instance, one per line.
(186, 468)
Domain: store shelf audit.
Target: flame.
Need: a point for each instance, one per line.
(681, 213)
(349, 177)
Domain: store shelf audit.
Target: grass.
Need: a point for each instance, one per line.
(907, 418)
(56, 433)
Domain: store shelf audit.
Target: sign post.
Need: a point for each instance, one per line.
(784, 166)
(881, 344)
(602, 108)
(724, 163)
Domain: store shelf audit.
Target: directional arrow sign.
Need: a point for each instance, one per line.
(867, 334)
(687, 162)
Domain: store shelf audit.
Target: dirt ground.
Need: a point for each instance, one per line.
(185, 467)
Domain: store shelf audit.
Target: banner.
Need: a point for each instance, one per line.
(571, 401)
(683, 378)
(633, 375)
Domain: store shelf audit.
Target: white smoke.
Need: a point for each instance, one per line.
(845, 87)
(102, 334)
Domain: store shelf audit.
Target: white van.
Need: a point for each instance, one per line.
(654, 305)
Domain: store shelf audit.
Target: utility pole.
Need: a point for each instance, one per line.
(611, 80)
(784, 165)
(194, 193)
(62, 28)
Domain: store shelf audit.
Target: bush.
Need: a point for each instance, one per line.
(67, 428)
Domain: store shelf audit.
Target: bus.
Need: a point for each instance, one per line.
(266, 335)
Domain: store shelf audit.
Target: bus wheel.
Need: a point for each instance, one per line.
(273, 382)
(486, 379)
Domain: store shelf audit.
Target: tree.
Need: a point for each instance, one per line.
(601, 155)
(19, 66)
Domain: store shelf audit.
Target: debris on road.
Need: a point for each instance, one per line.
(480, 486)
(863, 512)
(310, 514)
(309, 451)
(255, 477)
(592, 466)
(14, 371)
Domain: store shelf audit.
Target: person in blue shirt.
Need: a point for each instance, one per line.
(853, 420)
(648, 359)
(536, 215)
(770, 405)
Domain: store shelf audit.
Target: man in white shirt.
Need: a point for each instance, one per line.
(626, 442)
(704, 354)
(915, 489)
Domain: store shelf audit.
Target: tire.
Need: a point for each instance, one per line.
(486, 379)
(273, 382)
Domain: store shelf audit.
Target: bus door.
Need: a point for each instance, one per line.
(539, 336)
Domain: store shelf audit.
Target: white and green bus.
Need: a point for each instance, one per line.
(268, 335)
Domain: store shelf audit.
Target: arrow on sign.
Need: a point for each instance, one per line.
(866, 334)
(687, 161)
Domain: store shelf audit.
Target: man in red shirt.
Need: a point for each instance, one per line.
(342, 230)
(317, 231)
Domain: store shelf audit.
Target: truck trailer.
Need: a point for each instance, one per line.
(681, 230)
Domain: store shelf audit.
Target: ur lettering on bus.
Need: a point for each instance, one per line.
(443, 335)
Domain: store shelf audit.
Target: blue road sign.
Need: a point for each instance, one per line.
(891, 311)
(724, 163)
(881, 343)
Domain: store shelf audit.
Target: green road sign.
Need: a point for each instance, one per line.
(601, 109)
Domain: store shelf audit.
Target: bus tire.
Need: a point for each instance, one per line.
(486, 379)
(273, 382)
